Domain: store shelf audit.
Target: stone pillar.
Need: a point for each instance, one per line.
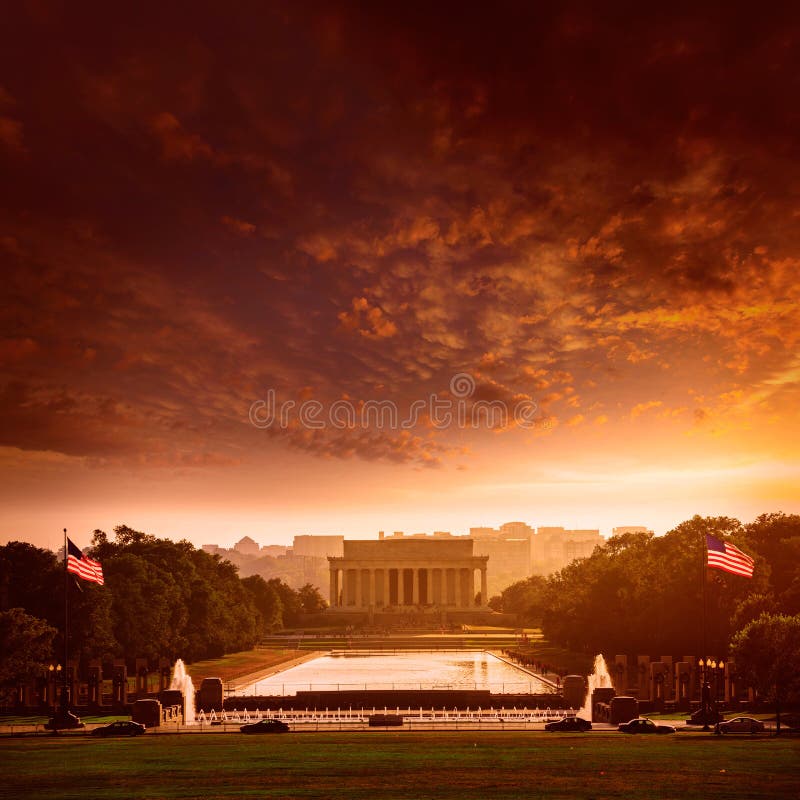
(401, 586)
(429, 586)
(484, 588)
(415, 586)
(450, 573)
(95, 682)
(471, 587)
(333, 597)
(359, 578)
(457, 577)
(373, 600)
(347, 587)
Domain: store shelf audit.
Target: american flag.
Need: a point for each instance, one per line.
(83, 566)
(729, 558)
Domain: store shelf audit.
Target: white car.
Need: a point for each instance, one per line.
(741, 725)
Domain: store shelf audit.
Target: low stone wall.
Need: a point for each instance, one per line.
(398, 698)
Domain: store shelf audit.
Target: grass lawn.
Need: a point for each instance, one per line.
(237, 664)
(373, 765)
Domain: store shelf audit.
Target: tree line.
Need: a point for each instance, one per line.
(639, 593)
(160, 599)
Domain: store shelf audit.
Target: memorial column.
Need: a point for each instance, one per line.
(358, 587)
(471, 587)
(415, 585)
(333, 597)
(429, 586)
(373, 601)
(484, 588)
(457, 581)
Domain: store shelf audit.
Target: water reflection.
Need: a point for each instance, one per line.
(403, 670)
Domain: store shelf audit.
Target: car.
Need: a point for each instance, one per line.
(265, 726)
(643, 725)
(569, 724)
(707, 716)
(741, 725)
(63, 720)
(120, 728)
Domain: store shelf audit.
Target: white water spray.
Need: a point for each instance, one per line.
(597, 680)
(182, 682)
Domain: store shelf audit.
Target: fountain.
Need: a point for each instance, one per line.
(599, 679)
(182, 682)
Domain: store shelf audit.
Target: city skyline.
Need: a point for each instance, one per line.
(584, 225)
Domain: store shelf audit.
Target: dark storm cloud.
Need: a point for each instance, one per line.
(553, 197)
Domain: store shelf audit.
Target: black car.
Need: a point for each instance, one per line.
(644, 726)
(120, 728)
(265, 726)
(569, 724)
(63, 721)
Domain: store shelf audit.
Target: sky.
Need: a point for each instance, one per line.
(567, 235)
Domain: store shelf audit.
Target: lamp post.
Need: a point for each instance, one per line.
(705, 693)
(52, 687)
(707, 700)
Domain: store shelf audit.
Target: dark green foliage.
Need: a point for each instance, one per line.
(767, 656)
(311, 601)
(27, 577)
(640, 593)
(523, 598)
(776, 538)
(160, 599)
(26, 645)
(290, 601)
(31, 578)
(267, 602)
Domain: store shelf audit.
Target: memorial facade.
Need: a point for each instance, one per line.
(410, 573)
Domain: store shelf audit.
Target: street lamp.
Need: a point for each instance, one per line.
(705, 692)
(52, 688)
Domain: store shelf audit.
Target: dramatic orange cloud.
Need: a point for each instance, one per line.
(587, 219)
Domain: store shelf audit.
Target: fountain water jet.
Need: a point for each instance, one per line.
(182, 682)
(598, 679)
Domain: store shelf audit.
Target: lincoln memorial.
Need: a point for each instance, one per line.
(407, 573)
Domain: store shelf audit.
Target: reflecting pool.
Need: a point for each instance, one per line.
(401, 670)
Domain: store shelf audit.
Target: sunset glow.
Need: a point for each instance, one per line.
(595, 218)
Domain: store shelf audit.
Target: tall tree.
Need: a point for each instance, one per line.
(267, 602)
(26, 646)
(767, 657)
(776, 538)
(311, 601)
(640, 593)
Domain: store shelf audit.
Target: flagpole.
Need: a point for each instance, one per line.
(704, 699)
(64, 697)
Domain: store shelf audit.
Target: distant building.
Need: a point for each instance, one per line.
(247, 547)
(211, 549)
(516, 530)
(273, 550)
(630, 529)
(484, 532)
(509, 551)
(509, 560)
(408, 573)
(318, 546)
(554, 547)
